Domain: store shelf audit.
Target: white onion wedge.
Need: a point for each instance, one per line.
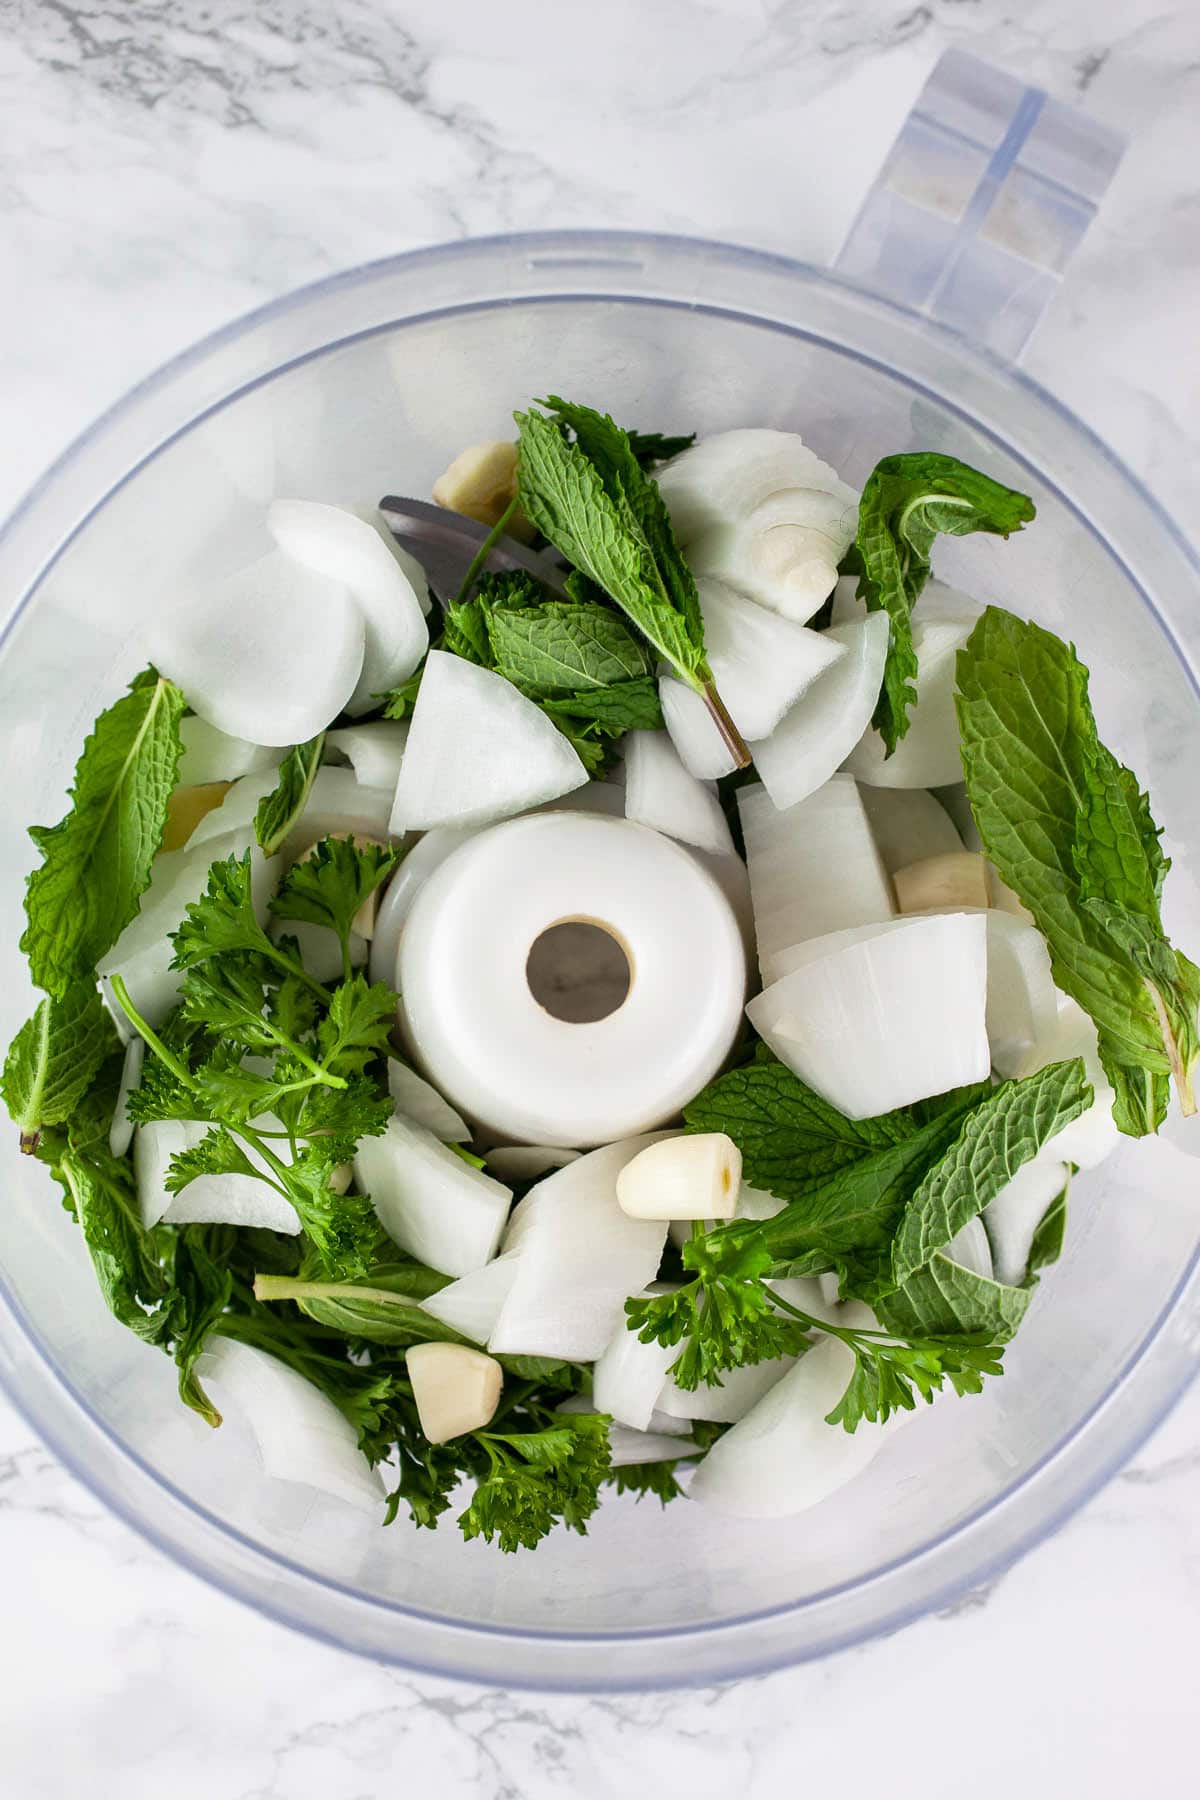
(1012, 1218)
(819, 732)
(472, 1303)
(456, 1389)
(579, 1257)
(927, 756)
(702, 750)
(525, 1162)
(342, 547)
(1022, 1003)
(143, 953)
(210, 1199)
(761, 663)
(757, 509)
(693, 1177)
(374, 750)
(660, 793)
(782, 1457)
(429, 1201)
(420, 1101)
(271, 654)
(1089, 1139)
(887, 1021)
(629, 1375)
(337, 804)
(908, 825)
(739, 1392)
(302, 1437)
(477, 751)
(120, 1132)
(605, 797)
(813, 867)
(209, 755)
(812, 950)
(411, 568)
(426, 855)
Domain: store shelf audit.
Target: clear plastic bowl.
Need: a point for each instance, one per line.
(369, 383)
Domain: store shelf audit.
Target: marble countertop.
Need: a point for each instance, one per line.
(165, 167)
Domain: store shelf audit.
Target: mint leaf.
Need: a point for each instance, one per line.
(202, 1288)
(943, 1299)
(128, 1271)
(279, 810)
(600, 509)
(54, 1058)
(1047, 1244)
(97, 860)
(650, 447)
(907, 501)
(1069, 830)
(561, 648)
(384, 1307)
(626, 706)
(1001, 1134)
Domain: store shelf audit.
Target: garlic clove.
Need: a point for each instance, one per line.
(956, 879)
(456, 1389)
(696, 1177)
(185, 809)
(481, 482)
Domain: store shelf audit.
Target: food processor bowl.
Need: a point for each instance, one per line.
(368, 384)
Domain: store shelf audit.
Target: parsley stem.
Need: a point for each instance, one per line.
(479, 560)
(731, 737)
(178, 1069)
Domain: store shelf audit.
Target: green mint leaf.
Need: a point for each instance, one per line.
(383, 1308)
(650, 447)
(944, 1300)
(128, 1270)
(1001, 1134)
(202, 1289)
(626, 706)
(1047, 1244)
(587, 512)
(561, 648)
(96, 862)
(1069, 830)
(907, 501)
(54, 1059)
(330, 886)
(279, 810)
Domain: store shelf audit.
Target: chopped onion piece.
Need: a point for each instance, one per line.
(210, 755)
(882, 1023)
(342, 547)
(629, 1375)
(740, 1390)
(668, 1442)
(427, 854)
(477, 751)
(927, 755)
(456, 1389)
(209, 1199)
(271, 654)
(1022, 1004)
(908, 825)
(472, 1303)
(660, 793)
(429, 1201)
(579, 1256)
(1012, 1218)
(525, 1162)
(337, 805)
(814, 868)
(302, 1437)
(819, 732)
(374, 751)
(120, 1132)
(782, 1457)
(761, 663)
(420, 1101)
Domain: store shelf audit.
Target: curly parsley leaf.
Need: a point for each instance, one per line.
(537, 1479)
(1071, 833)
(96, 862)
(907, 502)
(330, 885)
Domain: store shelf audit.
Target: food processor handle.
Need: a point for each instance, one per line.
(981, 202)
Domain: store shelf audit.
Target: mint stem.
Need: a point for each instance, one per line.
(479, 560)
(731, 737)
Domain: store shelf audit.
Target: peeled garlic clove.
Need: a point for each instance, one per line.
(956, 879)
(481, 482)
(694, 1177)
(185, 809)
(456, 1389)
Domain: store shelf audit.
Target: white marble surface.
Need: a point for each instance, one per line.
(167, 165)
